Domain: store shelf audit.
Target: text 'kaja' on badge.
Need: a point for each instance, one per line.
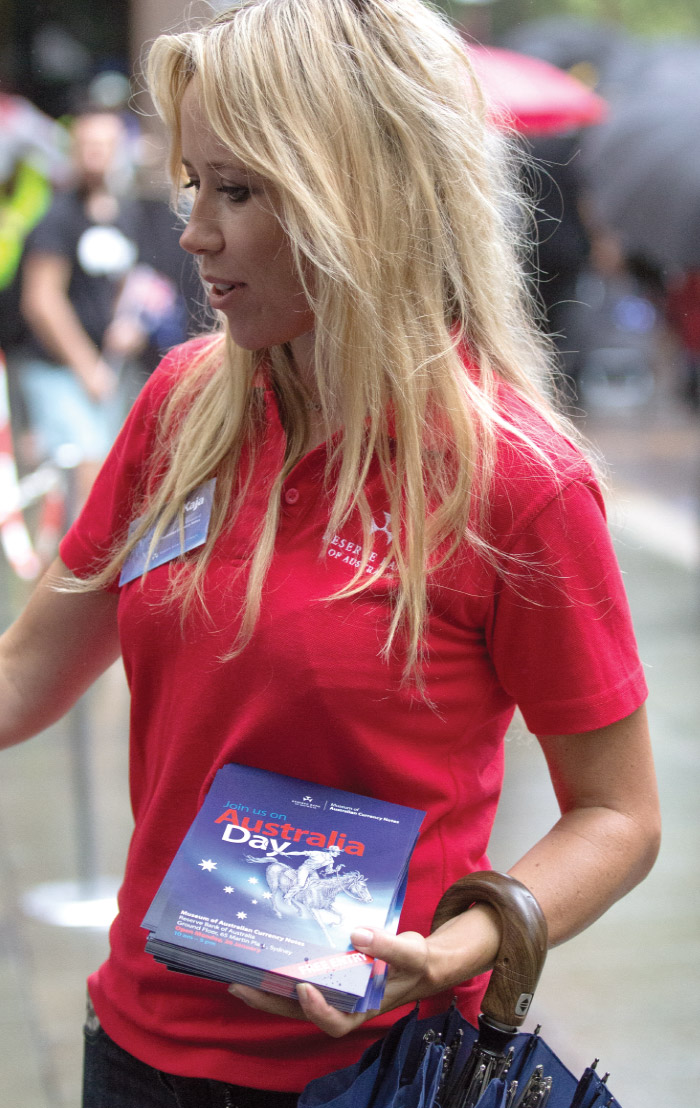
(176, 540)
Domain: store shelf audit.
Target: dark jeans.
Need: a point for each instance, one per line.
(115, 1079)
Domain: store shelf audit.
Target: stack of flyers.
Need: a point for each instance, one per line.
(271, 879)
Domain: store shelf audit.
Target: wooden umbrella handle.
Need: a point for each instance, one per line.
(523, 947)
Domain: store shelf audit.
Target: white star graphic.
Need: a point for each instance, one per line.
(253, 902)
(252, 880)
(229, 889)
(208, 865)
(267, 896)
(241, 915)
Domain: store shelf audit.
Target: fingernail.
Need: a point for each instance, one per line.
(362, 937)
(234, 990)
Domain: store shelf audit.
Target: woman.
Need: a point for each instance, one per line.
(403, 544)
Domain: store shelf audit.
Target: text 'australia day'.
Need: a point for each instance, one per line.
(266, 836)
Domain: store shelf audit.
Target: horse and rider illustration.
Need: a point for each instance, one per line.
(312, 888)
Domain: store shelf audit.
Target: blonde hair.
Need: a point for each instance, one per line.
(395, 192)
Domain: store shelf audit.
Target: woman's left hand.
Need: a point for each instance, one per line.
(418, 967)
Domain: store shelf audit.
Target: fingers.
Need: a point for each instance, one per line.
(310, 1005)
(418, 967)
(406, 952)
(407, 956)
(328, 1019)
(267, 1002)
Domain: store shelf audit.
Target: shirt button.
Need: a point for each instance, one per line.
(291, 496)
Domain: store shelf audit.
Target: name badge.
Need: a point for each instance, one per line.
(176, 540)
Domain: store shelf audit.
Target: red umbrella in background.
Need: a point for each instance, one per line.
(531, 96)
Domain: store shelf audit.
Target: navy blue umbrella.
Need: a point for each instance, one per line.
(444, 1062)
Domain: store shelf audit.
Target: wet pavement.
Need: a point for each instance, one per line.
(626, 990)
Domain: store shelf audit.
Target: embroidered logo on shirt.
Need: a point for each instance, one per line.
(349, 552)
(385, 529)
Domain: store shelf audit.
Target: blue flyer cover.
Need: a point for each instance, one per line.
(273, 876)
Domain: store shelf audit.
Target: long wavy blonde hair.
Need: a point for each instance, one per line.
(396, 194)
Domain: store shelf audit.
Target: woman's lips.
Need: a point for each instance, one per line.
(221, 291)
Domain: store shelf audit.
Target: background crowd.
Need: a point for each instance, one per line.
(94, 286)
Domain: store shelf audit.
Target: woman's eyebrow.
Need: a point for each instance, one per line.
(223, 167)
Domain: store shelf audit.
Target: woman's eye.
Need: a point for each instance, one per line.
(237, 194)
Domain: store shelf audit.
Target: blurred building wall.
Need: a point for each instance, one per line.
(149, 18)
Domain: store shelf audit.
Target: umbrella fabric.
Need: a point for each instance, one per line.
(400, 1072)
(642, 165)
(495, 1096)
(532, 96)
(357, 1083)
(643, 171)
(671, 65)
(611, 55)
(421, 1092)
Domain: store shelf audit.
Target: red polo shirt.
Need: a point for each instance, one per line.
(311, 697)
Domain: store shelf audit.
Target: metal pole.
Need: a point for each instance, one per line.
(80, 746)
(83, 800)
(90, 901)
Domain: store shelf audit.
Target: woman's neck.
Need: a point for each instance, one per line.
(303, 352)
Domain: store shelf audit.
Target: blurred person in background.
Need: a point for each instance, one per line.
(74, 264)
(33, 160)
(163, 294)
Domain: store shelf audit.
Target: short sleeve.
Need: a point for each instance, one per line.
(560, 633)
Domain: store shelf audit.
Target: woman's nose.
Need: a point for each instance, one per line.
(202, 234)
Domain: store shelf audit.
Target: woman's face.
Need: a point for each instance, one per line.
(245, 256)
